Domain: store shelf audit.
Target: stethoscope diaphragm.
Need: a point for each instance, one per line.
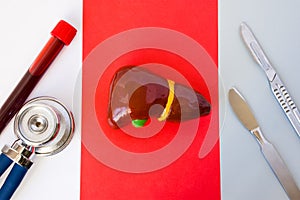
(44, 127)
(45, 124)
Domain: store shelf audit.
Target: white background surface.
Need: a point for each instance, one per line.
(245, 173)
(25, 29)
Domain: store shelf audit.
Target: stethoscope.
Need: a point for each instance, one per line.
(44, 127)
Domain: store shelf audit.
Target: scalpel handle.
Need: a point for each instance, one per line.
(277, 165)
(287, 104)
(281, 171)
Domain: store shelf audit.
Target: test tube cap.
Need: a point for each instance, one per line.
(64, 32)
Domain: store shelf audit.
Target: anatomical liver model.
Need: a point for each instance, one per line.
(134, 91)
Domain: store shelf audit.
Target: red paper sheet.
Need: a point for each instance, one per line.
(178, 40)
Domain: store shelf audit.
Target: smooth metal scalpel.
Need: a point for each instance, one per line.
(278, 88)
(246, 117)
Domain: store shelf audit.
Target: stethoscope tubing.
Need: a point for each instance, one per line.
(13, 179)
(5, 162)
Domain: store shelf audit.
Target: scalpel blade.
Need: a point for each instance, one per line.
(278, 89)
(257, 51)
(244, 114)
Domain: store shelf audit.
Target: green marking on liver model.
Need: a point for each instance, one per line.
(138, 122)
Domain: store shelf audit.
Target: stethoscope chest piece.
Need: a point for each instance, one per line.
(44, 127)
(45, 124)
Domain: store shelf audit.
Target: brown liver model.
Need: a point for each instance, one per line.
(135, 90)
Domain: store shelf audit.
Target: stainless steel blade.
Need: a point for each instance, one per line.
(278, 89)
(256, 51)
(243, 112)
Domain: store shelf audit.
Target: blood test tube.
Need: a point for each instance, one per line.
(62, 35)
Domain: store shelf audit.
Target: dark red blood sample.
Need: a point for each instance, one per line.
(46, 56)
(62, 34)
(17, 98)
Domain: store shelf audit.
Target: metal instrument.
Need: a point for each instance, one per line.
(278, 88)
(44, 127)
(244, 114)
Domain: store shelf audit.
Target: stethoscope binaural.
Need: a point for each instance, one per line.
(44, 127)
